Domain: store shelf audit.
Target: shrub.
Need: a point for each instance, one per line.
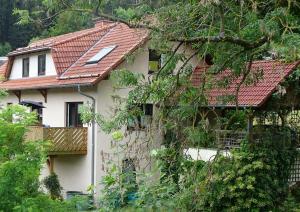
(53, 186)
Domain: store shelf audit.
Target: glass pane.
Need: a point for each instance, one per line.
(101, 54)
(154, 61)
(25, 67)
(73, 116)
(41, 64)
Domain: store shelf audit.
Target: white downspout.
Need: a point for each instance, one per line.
(93, 138)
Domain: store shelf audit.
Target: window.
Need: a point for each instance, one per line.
(154, 61)
(41, 65)
(141, 117)
(73, 117)
(101, 54)
(25, 72)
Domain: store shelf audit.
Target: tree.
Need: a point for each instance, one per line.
(232, 33)
(20, 162)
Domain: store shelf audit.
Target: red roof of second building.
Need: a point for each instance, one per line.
(266, 76)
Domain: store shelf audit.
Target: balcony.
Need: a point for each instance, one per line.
(65, 141)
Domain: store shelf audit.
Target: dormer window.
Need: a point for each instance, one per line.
(42, 65)
(25, 71)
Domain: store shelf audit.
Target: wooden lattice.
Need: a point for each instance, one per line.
(64, 140)
(295, 172)
(228, 139)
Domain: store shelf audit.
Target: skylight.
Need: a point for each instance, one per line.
(101, 54)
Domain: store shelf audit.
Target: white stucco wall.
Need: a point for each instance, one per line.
(105, 106)
(16, 72)
(204, 154)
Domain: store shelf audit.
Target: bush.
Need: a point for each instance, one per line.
(254, 178)
(44, 203)
(53, 186)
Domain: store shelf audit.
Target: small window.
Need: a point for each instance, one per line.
(142, 119)
(73, 116)
(154, 61)
(42, 65)
(101, 54)
(25, 72)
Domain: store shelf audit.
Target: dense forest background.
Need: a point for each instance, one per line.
(24, 20)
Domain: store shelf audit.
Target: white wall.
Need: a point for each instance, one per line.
(204, 154)
(16, 71)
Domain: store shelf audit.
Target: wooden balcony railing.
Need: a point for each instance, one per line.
(65, 141)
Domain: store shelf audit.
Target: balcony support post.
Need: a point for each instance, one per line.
(50, 163)
(18, 95)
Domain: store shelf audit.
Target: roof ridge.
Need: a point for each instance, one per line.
(84, 34)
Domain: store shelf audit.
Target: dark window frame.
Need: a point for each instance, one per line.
(76, 117)
(42, 65)
(154, 57)
(25, 62)
(140, 122)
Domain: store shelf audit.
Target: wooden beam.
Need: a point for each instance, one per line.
(250, 127)
(9, 67)
(50, 163)
(44, 93)
(18, 94)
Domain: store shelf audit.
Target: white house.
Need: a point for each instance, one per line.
(60, 74)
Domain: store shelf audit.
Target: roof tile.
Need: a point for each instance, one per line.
(253, 95)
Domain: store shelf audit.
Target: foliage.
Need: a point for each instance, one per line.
(254, 178)
(20, 165)
(232, 33)
(44, 203)
(20, 162)
(4, 48)
(12, 33)
(52, 184)
(68, 22)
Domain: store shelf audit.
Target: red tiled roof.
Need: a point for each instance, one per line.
(251, 94)
(70, 53)
(126, 39)
(66, 53)
(46, 82)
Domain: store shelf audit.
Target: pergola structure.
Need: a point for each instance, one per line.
(269, 92)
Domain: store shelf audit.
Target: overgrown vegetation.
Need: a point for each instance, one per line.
(20, 165)
(52, 184)
(233, 34)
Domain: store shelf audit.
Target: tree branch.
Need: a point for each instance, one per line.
(98, 7)
(248, 70)
(173, 54)
(222, 20)
(229, 39)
